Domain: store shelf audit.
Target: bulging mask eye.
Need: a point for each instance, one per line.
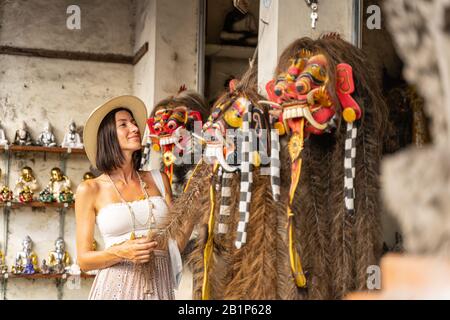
(172, 125)
(303, 86)
(280, 89)
(157, 127)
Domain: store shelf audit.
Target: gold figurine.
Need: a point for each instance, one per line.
(66, 195)
(58, 183)
(59, 259)
(88, 176)
(6, 194)
(26, 195)
(26, 185)
(3, 266)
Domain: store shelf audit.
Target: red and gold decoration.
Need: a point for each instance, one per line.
(169, 134)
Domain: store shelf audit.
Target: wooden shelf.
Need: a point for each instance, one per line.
(45, 276)
(14, 148)
(37, 204)
(227, 51)
(76, 55)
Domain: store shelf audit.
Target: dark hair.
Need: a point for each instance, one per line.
(109, 154)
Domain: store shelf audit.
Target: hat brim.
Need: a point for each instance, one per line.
(132, 103)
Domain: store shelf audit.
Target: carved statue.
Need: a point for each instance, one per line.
(47, 138)
(72, 139)
(45, 269)
(3, 140)
(66, 195)
(26, 195)
(6, 194)
(58, 182)
(23, 136)
(59, 259)
(26, 259)
(3, 266)
(18, 267)
(88, 175)
(26, 185)
(46, 195)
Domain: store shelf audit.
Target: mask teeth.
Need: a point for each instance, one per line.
(168, 140)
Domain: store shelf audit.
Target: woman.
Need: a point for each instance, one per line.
(128, 206)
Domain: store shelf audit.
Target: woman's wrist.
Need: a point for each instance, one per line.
(115, 251)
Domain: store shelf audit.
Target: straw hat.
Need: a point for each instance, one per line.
(132, 103)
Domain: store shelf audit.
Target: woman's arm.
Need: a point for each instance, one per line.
(137, 251)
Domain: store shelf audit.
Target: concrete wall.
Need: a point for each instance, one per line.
(287, 20)
(35, 89)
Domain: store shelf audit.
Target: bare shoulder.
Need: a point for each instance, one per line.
(88, 188)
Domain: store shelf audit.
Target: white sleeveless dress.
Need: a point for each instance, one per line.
(154, 280)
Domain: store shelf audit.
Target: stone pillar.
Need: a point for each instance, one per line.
(283, 21)
(170, 28)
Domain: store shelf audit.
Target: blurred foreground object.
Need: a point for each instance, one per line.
(416, 182)
(411, 278)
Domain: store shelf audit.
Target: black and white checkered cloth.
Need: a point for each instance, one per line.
(275, 164)
(246, 179)
(225, 202)
(349, 168)
(145, 158)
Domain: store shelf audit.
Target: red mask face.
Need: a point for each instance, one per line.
(169, 131)
(167, 125)
(301, 92)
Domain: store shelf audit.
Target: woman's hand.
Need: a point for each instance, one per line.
(137, 251)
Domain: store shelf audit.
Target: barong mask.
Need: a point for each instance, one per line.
(169, 133)
(235, 140)
(301, 105)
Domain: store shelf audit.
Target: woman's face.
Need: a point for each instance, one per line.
(127, 131)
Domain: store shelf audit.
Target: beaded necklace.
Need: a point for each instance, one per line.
(150, 223)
